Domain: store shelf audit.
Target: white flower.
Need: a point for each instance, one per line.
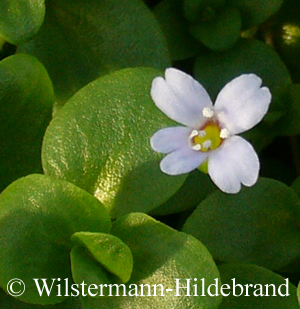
(209, 136)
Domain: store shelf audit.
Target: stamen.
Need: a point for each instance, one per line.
(208, 112)
(194, 133)
(206, 139)
(206, 144)
(201, 133)
(224, 133)
(196, 147)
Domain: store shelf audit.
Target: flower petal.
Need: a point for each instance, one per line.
(180, 97)
(242, 104)
(169, 139)
(182, 161)
(233, 163)
(188, 89)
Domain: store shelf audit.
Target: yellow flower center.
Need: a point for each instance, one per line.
(206, 139)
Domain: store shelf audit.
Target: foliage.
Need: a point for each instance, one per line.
(82, 195)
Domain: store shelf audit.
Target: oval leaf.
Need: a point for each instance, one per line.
(37, 218)
(26, 99)
(222, 32)
(20, 19)
(109, 251)
(160, 255)
(181, 43)
(256, 12)
(199, 10)
(109, 155)
(8, 302)
(81, 40)
(86, 269)
(260, 225)
(268, 289)
(195, 189)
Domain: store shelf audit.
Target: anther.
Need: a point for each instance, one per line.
(196, 147)
(194, 133)
(208, 112)
(206, 144)
(224, 133)
(201, 133)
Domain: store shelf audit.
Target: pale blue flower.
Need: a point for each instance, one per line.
(209, 131)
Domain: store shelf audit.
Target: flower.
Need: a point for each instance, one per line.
(209, 137)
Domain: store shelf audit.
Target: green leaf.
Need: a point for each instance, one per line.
(214, 70)
(81, 40)
(289, 122)
(298, 293)
(196, 11)
(175, 28)
(86, 269)
(263, 281)
(195, 189)
(220, 33)
(109, 251)
(260, 225)
(256, 11)
(281, 169)
(110, 123)
(26, 99)
(8, 302)
(260, 136)
(160, 255)
(296, 186)
(20, 19)
(37, 218)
